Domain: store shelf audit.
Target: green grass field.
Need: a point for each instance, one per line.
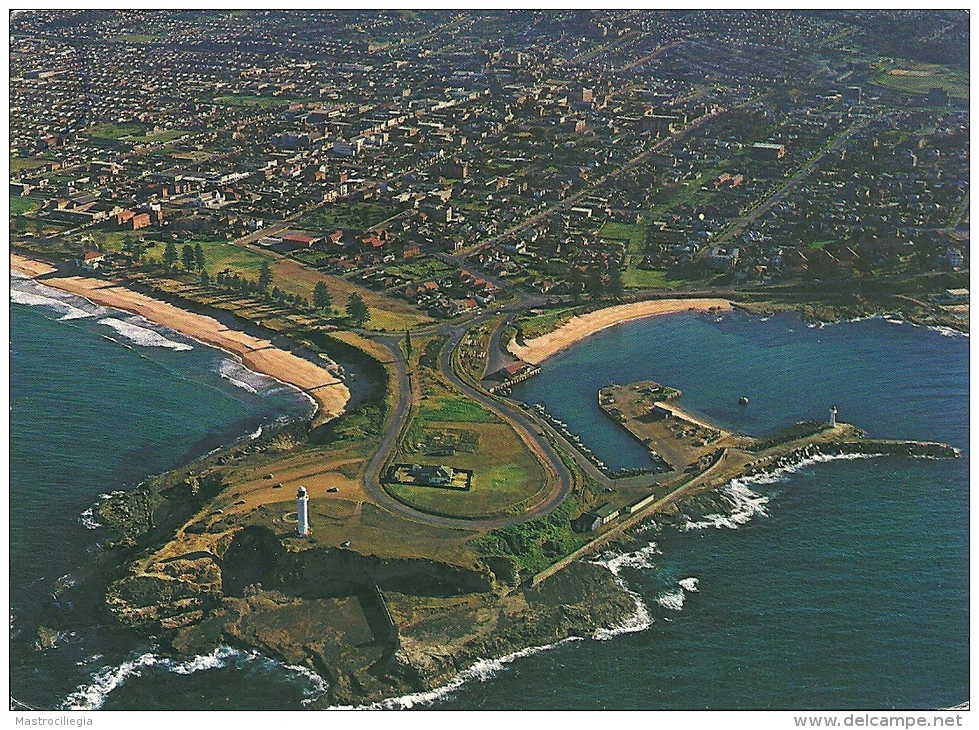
(634, 233)
(20, 206)
(455, 408)
(547, 322)
(258, 101)
(505, 477)
(634, 278)
(17, 164)
(358, 216)
(114, 131)
(165, 136)
(918, 78)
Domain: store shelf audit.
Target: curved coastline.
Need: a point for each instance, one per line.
(539, 349)
(328, 392)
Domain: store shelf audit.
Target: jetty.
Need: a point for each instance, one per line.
(705, 457)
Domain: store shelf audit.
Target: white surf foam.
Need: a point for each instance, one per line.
(690, 584)
(240, 376)
(318, 685)
(137, 331)
(93, 696)
(745, 503)
(88, 520)
(642, 558)
(640, 620)
(29, 292)
(947, 331)
(260, 384)
(481, 671)
(671, 599)
(34, 299)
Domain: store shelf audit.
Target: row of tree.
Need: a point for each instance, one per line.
(356, 308)
(192, 257)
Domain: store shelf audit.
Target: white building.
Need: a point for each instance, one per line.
(302, 513)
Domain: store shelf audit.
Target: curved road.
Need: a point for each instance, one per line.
(558, 478)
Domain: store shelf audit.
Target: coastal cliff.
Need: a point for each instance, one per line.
(372, 627)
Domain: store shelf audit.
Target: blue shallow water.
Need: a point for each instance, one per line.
(850, 592)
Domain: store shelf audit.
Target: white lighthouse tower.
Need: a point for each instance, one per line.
(302, 512)
(832, 417)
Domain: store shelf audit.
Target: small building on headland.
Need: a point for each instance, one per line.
(431, 476)
(595, 518)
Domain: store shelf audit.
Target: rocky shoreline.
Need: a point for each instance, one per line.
(379, 628)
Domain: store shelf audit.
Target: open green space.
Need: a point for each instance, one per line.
(913, 77)
(420, 269)
(246, 100)
(534, 545)
(634, 278)
(455, 408)
(549, 321)
(135, 38)
(18, 164)
(114, 131)
(20, 206)
(291, 277)
(632, 233)
(164, 136)
(357, 216)
(506, 478)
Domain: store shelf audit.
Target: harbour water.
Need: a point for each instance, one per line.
(840, 585)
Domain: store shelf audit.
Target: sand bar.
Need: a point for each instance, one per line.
(257, 354)
(578, 328)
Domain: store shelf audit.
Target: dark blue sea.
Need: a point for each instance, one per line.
(841, 584)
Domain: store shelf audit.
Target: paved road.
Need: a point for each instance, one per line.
(765, 205)
(558, 477)
(567, 203)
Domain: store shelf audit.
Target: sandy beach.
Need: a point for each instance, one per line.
(578, 328)
(329, 392)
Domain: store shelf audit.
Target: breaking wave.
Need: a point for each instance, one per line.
(71, 306)
(481, 671)
(745, 504)
(140, 334)
(640, 620)
(88, 520)
(947, 331)
(93, 695)
(671, 599)
(690, 584)
(240, 376)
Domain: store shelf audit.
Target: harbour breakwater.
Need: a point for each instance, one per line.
(725, 469)
(863, 447)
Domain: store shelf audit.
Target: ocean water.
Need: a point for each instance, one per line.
(841, 584)
(90, 415)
